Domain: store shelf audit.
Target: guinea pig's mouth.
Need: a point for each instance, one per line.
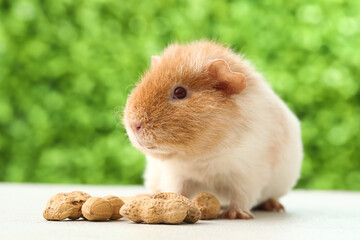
(149, 147)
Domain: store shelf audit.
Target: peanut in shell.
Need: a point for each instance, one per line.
(97, 209)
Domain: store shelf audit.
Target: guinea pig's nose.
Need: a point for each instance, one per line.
(136, 126)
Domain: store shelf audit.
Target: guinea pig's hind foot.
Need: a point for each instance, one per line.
(271, 205)
(234, 213)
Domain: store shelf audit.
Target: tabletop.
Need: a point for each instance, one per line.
(309, 215)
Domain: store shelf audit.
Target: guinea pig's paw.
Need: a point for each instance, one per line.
(271, 205)
(234, 213)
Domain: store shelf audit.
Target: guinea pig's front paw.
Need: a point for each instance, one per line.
(235, 213)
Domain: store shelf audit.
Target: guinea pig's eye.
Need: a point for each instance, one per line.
(179, 93)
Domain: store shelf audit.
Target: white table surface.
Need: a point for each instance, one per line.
(310, 215)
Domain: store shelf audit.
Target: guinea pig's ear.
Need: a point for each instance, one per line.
(227, 81)
(155, 60)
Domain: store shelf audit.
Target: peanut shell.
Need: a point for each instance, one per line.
(208, 204)
(116, 204)
(194, 212)
(148, 210)
(65, 205)
(138, 196)
(97, 209)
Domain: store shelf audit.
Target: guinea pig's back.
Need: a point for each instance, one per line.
(278, 137)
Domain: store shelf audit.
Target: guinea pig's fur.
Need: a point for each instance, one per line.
(231, 135)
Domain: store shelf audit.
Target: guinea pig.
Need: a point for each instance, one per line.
(208, 121)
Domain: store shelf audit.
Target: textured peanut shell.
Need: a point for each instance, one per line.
(148, 210)
(116, 204)
(65, 205)
(194, 212)
(208, 204)
(97, 209)
(138, 196)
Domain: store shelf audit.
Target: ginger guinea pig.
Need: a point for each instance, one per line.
(207, 121)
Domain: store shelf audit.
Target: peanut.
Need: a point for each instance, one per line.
(208, 205)
(116, 204)
(138, 196)
(65, 205)
(194, 212)
(164, 207)
(97, 209)
(150, 210)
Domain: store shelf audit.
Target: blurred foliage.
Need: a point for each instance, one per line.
(66, 68)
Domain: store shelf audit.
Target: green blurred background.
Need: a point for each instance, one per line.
(66, 68)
